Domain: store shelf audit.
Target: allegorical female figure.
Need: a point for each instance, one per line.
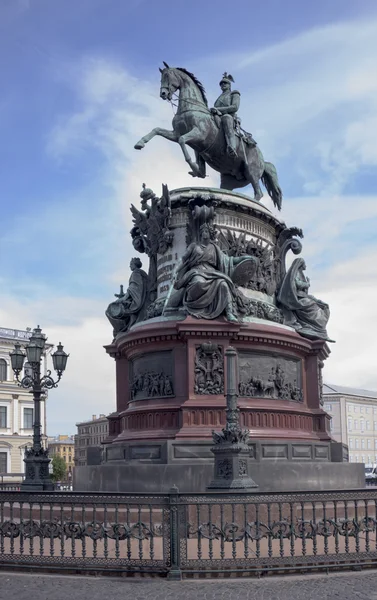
(307, 314)
(204, 279)
(130, 308)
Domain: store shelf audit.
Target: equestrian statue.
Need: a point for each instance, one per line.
(215, 134)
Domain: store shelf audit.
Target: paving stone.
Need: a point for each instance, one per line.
(345, 586)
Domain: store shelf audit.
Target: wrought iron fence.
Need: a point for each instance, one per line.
(181, 535)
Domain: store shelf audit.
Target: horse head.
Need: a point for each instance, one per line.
(170, 82)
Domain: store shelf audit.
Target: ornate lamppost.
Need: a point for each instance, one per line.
(231, 450)
(37, 477)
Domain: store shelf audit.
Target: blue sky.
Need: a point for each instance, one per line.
(80, 85)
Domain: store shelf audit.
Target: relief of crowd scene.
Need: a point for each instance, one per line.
(151, 384)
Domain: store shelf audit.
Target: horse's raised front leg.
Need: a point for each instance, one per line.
(169, 135)
(192, 136)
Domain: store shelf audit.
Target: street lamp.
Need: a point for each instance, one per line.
(37, 476)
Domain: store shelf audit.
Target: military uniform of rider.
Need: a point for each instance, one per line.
(226, 107)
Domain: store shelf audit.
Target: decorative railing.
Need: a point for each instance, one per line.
(178, 534)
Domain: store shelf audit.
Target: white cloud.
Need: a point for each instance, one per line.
(88, 385)
(311, 100)
(351, 290)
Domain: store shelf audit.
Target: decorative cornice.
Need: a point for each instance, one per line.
(275, 336)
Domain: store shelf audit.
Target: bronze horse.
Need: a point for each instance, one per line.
(195, 126)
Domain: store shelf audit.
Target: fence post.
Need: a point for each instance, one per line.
(174, 572)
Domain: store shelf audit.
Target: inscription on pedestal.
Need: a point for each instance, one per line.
(165, 268)
(168, 262)
(151, 376)
(270, 376)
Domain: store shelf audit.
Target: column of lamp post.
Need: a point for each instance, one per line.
(37, 476)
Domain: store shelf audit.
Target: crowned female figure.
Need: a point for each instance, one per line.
(204, 278)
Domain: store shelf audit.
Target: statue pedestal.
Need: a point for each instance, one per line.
(156, 442)
(170, 368)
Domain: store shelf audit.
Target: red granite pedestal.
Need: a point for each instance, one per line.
(188, 415)
(159, 441)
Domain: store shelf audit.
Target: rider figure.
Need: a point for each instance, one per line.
(226, 107)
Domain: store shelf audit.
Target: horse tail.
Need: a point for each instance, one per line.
(271, 183)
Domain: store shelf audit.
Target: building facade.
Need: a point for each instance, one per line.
(64, 446)
(16, 407)
(88, 440)
(354, 420)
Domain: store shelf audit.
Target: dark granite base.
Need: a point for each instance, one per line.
(271, 476)
(182, 451)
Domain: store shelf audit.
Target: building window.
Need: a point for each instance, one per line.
(356, 444)
(375, 425)
(3, 462)
(355, 424)
(351, 443)
(3, 369)
(369, 444)
(375, 410)
(355, 408)
(367, 411)
(363, 458)
(329, 407)
(367, 425)
(28, 418)
(361, 409)
(349, 424)
(375, 444)
(3, 417)
(362, 425)
(369, 459)
(362, 445)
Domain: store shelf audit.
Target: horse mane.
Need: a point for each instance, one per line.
(195, 80)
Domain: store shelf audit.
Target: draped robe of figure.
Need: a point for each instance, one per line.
(130, 309)
(307, 314)
(204, 279)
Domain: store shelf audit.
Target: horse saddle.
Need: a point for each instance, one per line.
(240, 133)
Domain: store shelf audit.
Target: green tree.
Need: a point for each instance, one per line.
(59, 468)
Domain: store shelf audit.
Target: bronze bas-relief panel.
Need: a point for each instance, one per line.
(263, 375)
(151, 376)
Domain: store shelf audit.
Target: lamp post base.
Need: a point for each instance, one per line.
(231, 468)
(37, 476)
